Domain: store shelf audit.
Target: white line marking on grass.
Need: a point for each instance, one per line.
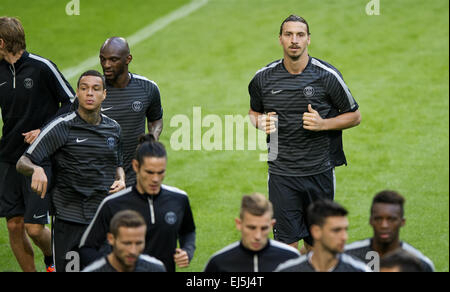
(140, 35)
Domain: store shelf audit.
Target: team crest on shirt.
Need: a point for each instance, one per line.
(137, 106)
(171, 218)
(28, 83)
(309, 91)
(111, 142)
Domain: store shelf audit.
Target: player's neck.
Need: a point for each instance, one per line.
(117, 265)
(122, 80)
(296, 66)
(384, 248)
(322, 260)
(90, 117)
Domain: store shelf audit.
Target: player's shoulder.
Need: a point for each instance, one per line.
(123, 195)
(418, 254)
(293, 264)
(151, 263)
(353, 263)
(227, 250)
(63, 120)
(282, 247)
(95, 266)
(40, 61)
(357, 245)
(324, 68)
(144, 82)
(268, 68)
(174, 191)
(109, 121)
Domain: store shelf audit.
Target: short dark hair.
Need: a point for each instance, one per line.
(256, 204)
(320, 210)
(125, 218)
(149, 147)
(400, 258)
(389, 197)
(295, 18)
(92, 73)
(13, 34)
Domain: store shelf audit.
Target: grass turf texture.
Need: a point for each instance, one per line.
(396, 65)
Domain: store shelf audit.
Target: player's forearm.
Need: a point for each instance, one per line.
(25, 166)
(342, 122)
(187, 243)
(155, 128)
(254, 117)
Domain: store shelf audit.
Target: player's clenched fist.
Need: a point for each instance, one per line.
(267, 122)
(39, 182)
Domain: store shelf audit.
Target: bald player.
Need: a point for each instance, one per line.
(132, 99)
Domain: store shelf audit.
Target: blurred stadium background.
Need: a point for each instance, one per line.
(395, 63)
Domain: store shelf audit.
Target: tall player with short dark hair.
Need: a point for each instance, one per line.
(32, 93)
(308, 103)
(131, 100)
(86, 147)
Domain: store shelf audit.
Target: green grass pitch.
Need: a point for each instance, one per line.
(395, 63)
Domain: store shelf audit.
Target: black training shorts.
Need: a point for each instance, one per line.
(18, 200)
(291, 197)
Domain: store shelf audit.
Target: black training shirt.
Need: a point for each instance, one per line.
(302, 152)
(31, 93)
(86, 158)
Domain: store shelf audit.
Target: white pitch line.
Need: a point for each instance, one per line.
(140, 35)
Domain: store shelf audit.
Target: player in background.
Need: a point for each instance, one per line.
(255, 252)
(166, 211)
(131, 100)
(127, 238)
(306, 101)
(386, 219)
(86, 148)
(329, 225)
(32, 93)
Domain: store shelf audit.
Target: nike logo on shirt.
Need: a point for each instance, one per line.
(105, 109)
(276, 91)
(81, 141)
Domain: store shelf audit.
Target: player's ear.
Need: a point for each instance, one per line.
(403, 222)
(129, 59)
(135, 165)
(315, 231)
(273, 222)
(238, 222)
(110, 238)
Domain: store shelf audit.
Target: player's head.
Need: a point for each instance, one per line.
(127, 237)
(294, 37)
(12, 36)
(114, 58)
(328, 225)
(150, 165)
(255, 221)
(400, 261)
(386, 216)
(91, 90)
